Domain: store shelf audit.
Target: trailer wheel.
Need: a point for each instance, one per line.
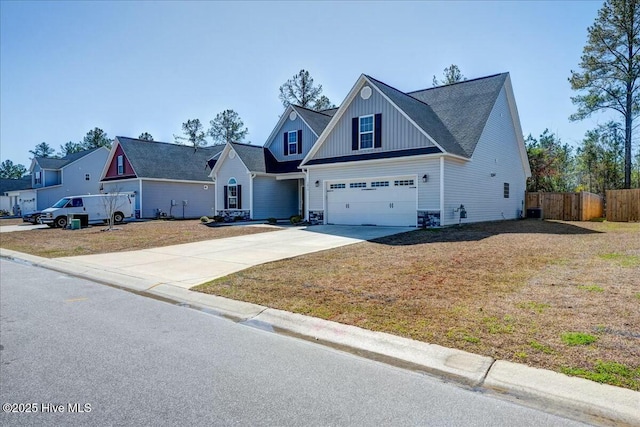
(118, 217)
(61, 222)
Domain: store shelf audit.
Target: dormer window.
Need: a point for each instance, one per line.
(37, 178)
(293, 142)
(366, 132)
(121, 165)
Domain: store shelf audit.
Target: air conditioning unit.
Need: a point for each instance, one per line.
(535, 213)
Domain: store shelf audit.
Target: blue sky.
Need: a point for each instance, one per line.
(144, 66)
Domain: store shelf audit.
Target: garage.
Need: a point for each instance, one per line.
(372, 201)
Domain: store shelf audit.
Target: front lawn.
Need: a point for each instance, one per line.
(556, 295)
(56, 242)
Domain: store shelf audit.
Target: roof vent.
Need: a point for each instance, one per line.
(293, 116)
(365, 92)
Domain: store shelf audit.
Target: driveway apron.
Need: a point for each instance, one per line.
(191, 264)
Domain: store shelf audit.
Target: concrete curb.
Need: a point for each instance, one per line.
(601, 401)
(547, 390)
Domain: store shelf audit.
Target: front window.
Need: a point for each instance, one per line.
(293, 142)
(232, 194)
(120, 165)
(37, 178)
(366, 132)
(506, 190)
(61, 203)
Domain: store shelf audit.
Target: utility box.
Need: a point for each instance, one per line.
(75, 224)
(535, 213)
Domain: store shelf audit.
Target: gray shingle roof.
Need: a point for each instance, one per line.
(317, 120)
(251, 155)
(58, 163)
(464, 107)
(7, 184)
(164, 160)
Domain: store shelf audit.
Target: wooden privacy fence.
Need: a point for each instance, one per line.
(581, 206)
(623, 205)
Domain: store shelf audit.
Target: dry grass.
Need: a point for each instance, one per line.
(12, 221)
(56, 242)
(508, 290)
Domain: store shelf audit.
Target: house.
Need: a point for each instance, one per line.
(54, 178)
(438, 156)
(168, 179)
(10, 200)
(260, 182)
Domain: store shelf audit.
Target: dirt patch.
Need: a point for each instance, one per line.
(508, 290)
(56, 242)
(11, 221)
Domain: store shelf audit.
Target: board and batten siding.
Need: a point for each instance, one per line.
(276, 144)
(274, 198)
(428, 192)
(471, 184)
(397, 132)
(158, 195)
(233, 168)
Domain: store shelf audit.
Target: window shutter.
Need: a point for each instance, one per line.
(377, 137)
(286, 143)
(239, 195)
(354, 133)
(226, 198)
(299, 141)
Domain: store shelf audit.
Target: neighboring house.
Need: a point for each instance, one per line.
(71, 175)
(260, 182)
(168, 178)
(10, 199)
(410, 159)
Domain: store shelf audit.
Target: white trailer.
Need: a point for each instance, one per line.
(97, 207)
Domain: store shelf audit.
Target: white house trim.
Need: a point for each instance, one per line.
(283, 118)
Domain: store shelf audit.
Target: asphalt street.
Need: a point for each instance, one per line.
(73, 352)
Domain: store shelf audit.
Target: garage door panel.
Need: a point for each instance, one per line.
(389, 205)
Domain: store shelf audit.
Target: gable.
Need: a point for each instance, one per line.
(397, 133)
(112, 169)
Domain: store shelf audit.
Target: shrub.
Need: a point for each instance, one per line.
(4, 213)
(272, 220)
(204, 219)
(218, 218)
(295, 219)
(238, 218)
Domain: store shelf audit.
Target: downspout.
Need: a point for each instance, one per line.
(140, 196)
(305, 214)
(253, 175)
(215, 194)
(442, 190)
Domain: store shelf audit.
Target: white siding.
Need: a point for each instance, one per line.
(397, 132)
(273, 198)
(233, 168)
(158, 195)
(276, 144)
(125, 186)
(471, 183)
(428, 193)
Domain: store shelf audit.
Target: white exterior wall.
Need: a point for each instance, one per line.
(428, 193)
(233, 168)
(471, 183)
(28, 201)
(274, 198)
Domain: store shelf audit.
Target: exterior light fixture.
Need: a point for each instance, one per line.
(493, 174)
(317, 183)
(425, 177)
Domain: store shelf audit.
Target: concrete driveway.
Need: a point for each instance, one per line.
(21, 227)
(191, 264)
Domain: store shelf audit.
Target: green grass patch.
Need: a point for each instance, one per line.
(578, 338)
(591, 288)
(538, 307)
(612, 373)
(638, 295)
(499, 326)
(622, 260)
(541, 347)
(463, 335)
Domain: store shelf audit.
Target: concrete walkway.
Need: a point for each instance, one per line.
(169, 272)
(21, 227)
